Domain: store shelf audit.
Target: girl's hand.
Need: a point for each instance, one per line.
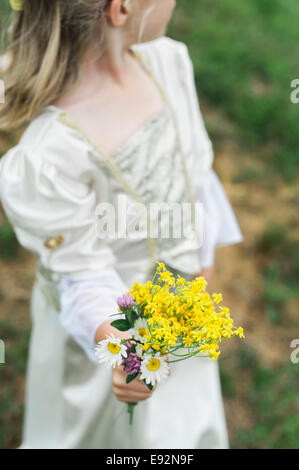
(129, 393)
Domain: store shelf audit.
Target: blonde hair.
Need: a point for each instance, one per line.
(47, 42)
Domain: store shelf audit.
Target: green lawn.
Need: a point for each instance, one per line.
(245, 55)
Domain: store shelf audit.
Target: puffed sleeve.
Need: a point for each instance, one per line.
(43, 202)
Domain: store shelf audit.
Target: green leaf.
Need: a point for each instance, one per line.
(132, 317)
(121, 325)
(131, 377)
(148, 385)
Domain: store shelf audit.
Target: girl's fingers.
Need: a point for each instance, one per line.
(136, 389)
(133, 396)
(138, 386)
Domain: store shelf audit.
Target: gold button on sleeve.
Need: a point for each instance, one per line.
(54, 242)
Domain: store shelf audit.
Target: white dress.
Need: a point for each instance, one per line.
(51, 184)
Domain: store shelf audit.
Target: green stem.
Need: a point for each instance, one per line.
(127, 340)
(154, 276)
(184, 358)
(131, 407)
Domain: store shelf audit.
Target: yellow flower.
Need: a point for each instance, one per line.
(161, 267)
(180, 281)
(217, 298)
(240, 332)
(167, 277)
(187, 317)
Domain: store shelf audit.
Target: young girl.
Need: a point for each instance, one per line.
(111, 111)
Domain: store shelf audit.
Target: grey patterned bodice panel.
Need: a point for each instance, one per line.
(151, 161)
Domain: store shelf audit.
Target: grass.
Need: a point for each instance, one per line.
(8, 242)
(281, 271)
(11, 373)
(245, 57)
(271, 397)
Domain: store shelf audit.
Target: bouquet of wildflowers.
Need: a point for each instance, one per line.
(166, 318)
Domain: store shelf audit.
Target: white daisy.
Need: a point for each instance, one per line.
(154, 369)
(110, 351)
(140, 330)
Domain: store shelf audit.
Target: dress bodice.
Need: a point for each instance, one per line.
(152, 162)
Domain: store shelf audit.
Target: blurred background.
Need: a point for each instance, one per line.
(245, 56)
